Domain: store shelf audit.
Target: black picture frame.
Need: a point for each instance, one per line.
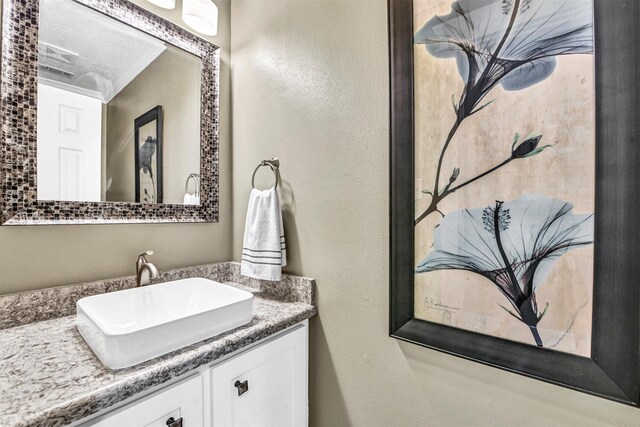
(153, 115)
(612, 371)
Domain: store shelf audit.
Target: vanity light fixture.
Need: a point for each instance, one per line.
(201, 15)
(165, 4)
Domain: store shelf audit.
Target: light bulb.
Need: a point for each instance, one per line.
(165, 4)
(201, 15)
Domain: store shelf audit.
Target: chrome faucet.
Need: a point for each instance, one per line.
(145, 271)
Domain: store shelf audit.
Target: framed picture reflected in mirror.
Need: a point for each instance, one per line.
(148, 156)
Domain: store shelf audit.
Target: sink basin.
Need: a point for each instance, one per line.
(127, 327)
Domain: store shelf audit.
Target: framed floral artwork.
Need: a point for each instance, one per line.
(148, 156)
(513, 186)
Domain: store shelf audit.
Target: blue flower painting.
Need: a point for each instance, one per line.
(514, 245)
(499, 207)
(146, 165)
(512, 43)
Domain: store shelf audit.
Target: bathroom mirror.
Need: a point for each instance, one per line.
(109, 114)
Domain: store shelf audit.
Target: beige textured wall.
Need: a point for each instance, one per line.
(39, 257)
(172, 81)
(310, 85)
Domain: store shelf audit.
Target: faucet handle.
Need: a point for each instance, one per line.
(142, 259)
(143, 256)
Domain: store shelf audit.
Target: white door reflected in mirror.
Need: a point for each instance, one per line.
(69, 160)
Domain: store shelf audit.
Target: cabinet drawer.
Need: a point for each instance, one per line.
(266, 386)
(181, 400)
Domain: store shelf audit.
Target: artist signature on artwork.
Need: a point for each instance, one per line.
(446, 310)
(434, 303)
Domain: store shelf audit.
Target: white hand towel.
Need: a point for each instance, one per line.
(191, 199)
(264, 251)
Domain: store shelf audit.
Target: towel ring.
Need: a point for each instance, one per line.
(196, 180)
(274, 164)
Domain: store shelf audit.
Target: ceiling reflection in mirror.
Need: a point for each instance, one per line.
(118, 111)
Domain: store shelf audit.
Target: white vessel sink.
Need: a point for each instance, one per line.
(128, 327)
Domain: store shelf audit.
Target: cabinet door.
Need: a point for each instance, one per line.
(179, 401)
(265, 386)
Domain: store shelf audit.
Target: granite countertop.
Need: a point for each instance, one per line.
(50, 377)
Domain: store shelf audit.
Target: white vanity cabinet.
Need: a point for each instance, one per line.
(265, 385)
(182, 400)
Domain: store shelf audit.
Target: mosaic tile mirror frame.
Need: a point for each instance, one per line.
(18, 119)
